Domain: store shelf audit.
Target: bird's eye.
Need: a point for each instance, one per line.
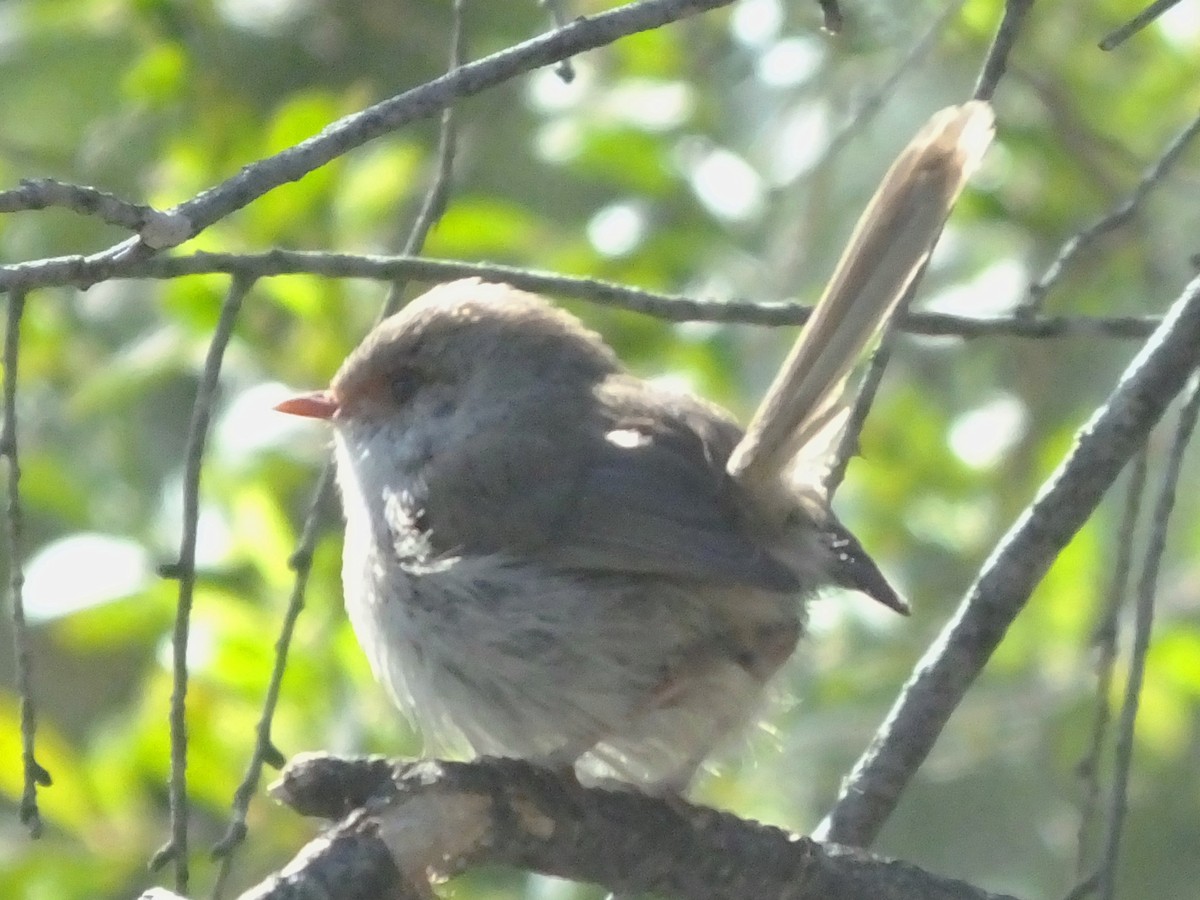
(404, 383)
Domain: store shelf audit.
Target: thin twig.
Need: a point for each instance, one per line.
(565, 70)
(1105, 640)
(433, 205)
(954, 660)
(437, 196)
(465, 81)
(858, 415)
(1142, 625)
(996, 62)
(344, 135)
(184, 570)
(669, 307)
(156, 228)
(33, 774)
(1118, 36)
(1113, 220)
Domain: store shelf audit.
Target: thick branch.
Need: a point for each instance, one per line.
(942, 677)
(405, 821)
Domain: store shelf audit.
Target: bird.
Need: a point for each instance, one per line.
(549, 558)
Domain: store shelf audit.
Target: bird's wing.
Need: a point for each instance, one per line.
(634, 486)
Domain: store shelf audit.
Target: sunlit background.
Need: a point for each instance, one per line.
(726, 156)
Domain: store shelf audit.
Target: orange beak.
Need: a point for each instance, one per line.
(316, 405)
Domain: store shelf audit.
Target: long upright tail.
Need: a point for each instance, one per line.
(887, 250)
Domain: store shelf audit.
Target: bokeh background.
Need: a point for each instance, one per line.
(724, 156)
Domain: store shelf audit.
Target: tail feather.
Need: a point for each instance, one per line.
(886, 252)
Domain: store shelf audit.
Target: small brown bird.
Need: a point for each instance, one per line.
(552, 559)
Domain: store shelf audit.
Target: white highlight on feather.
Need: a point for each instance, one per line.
(627, 438)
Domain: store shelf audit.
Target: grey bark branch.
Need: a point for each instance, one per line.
(1104, 639)
(1147, 590)
(184, 570)
(1115, 38)
(1127, 210)
(1102, 448)
(996, 62)
(32, 772)
(157, 229)
(400, 822)
(338, 138)
(671, 307)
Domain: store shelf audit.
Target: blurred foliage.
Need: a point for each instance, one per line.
(695, 158)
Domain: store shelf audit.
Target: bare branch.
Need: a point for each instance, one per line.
(585, 33)
(344, 135)
(996, 62)
(858, 414)
(265, 752)
(1113, 220)
(157, 229)
(184, 569)
(438, 193)
(1118, 36)
(33, 775)
(1105, 640)
(670, 307)
(1103, 447)
(1143, 621)
(405, 821)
